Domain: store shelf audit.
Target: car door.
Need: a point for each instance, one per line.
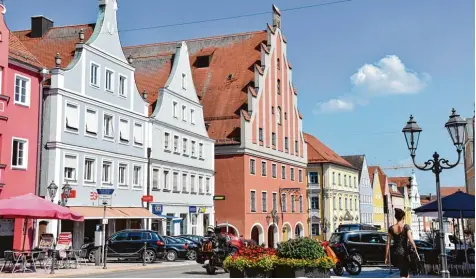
(117, 244)
(370, 243)
(135, 242)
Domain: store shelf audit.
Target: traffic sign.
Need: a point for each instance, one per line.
(148, 198)
(102, 191)
(219, 198)
(105, 195)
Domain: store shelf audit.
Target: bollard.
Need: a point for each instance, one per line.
(105, 257)
(144, 254)
(97, 257)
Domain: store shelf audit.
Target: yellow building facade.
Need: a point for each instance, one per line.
(377, 199)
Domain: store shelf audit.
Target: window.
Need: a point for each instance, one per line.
(166, 180)
(176, 144)
(184, 145)
(109, 80)
(353, 238)
(175, 109)
(252, 166)
(286, 143)
(278, 115)
(263, 168)
(278, 64)
(300, 204)
(350, 204)
(124, 130)
(70, 165)
(283, 203)
(72, 118)
(207, 185)
(91, 122)
(283, 172)
(334, 178)
(138, 134)
(278, 84)
(175, 182)
(339, 180)
(292, 174)
(345, 180)
(356, 204)
(192, 184)
(202, 61)
(293, 204)
(200, 150)
(315, 203)
(19, 153)
(89, 170)
(334, 203)
(183, 224)
(184, 81)
(273, 138)
(345, 203)
(184, 182)
(350, 181)
(192, 116)
(275, 201)
(166, 141)
(200, 185)
(315, 229)
(261, 135)
(355, 181)
(106, 172)
(313, 178)
(264, 201)
(122, 174)
(296, 147)
(94, 74)
(253, 201)
(122, 86)
(108, 127)
(274, 170)
(194, 146)
(340, 203)
(184, 113)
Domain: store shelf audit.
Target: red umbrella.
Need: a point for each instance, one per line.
(33, 207)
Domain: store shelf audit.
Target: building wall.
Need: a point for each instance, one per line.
(379, 218)
(366, 193)
(314, 190)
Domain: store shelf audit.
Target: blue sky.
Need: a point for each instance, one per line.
(429, 45)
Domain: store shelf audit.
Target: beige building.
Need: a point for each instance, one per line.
(333, 189)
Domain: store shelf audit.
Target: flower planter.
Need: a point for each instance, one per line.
(290, 272)
(236, 273)
(257, 273)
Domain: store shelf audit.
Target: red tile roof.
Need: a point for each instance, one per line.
(18, 51)
(382, 177)
(317, 152)
(446, 190)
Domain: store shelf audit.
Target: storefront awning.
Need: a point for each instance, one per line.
(91, 212)
(174, 219)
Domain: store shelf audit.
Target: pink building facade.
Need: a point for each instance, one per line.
(20, 78)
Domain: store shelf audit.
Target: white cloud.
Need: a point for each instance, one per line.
(389, 76)
(334, 105)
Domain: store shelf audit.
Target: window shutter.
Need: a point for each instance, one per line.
(124, 130)
(91, 122)
(72, 116)
(70, 162)
(138, 137)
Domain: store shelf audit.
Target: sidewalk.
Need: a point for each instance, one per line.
(87, 270)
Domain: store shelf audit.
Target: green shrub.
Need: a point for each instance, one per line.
(301, 248)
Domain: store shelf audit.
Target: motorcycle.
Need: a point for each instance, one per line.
(342, 260)
(213, 255)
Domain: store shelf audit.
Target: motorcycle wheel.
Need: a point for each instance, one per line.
(338, 269)
(211, 269)
(353, 267)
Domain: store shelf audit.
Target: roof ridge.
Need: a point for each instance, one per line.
(57, 27)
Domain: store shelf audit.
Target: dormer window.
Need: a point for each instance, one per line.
(203, 61)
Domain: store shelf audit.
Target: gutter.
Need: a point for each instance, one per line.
(44, 73)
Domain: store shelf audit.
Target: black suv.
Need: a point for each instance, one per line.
(356, 227)
(130, 244)
(364, 246)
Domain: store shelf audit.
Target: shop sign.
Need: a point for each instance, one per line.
(157, 208)
(196, 209)
(148, 198)
(219, 198)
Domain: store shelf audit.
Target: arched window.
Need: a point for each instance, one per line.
(278, 115)
(279, 86)
(278, 64)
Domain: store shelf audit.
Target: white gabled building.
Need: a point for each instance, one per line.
(417, 222)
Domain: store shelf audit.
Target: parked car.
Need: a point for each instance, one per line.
(130, 244)
(356, 227)
(364, 246)
(175, 248)
(195, 238)
(193, 247)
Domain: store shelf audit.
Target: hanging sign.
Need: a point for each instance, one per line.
(148, 198)
(157, 209)
(219, 198)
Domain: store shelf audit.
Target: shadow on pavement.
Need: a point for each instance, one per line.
(200, 273)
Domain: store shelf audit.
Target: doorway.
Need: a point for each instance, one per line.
(272, 237)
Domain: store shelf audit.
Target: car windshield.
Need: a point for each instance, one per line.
(335, 238)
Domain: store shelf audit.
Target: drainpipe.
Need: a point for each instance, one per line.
(44, 73)
(149, 151)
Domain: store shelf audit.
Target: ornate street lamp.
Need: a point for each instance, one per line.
(52, 189)
(455, 126)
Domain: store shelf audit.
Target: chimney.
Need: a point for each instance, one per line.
(40, 25)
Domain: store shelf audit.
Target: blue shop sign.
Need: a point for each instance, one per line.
(157, 209)
(192, 209)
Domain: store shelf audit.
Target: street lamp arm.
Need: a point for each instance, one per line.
(428, 165)
(445, 164)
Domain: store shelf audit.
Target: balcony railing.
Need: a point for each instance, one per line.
(313, 186)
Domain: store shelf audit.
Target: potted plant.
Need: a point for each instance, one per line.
(251, 262)
(302, 257)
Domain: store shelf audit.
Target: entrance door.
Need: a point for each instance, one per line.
(285, 234)
(206, 222)
(271, 237)
(255, 235)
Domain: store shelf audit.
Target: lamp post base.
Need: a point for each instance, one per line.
(445, 274)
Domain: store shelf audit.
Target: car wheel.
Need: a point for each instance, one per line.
(171, 256)
(149, 256)
(358, 257)
(192, 255)
(92, 256)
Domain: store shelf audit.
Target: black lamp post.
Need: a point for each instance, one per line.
(66, 191)
(455, 126)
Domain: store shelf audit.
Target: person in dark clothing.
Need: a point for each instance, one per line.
(401, 234)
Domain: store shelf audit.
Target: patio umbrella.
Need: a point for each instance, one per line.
(453, 204)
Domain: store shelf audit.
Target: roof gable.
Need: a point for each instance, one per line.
(355, 160)
(318, 152)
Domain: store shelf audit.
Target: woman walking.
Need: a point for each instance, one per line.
(401, 234)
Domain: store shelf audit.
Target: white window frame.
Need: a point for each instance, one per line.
(184, 113)
(264, 205)
(121, 141)
(193, 148)
(185, 146)
(158, 178)
(111, 137)
(208, 185)
(193, 183)
(27, 90)
(74, 180)
(140, 183)
(283, 173)
(93, 171)
(184, 81)
(111, 82)
(107, 183)
(274, 171)
(86, 133)
(71, 130)
(98, 75)
(192, 116)
(167, 137)
(184, 182)
(124, 90)
(138, 144)
(166, 179)
(124, 185)
(176, 187)
(24, 166)
(200, 150)
(175, 109)
(252, 167)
